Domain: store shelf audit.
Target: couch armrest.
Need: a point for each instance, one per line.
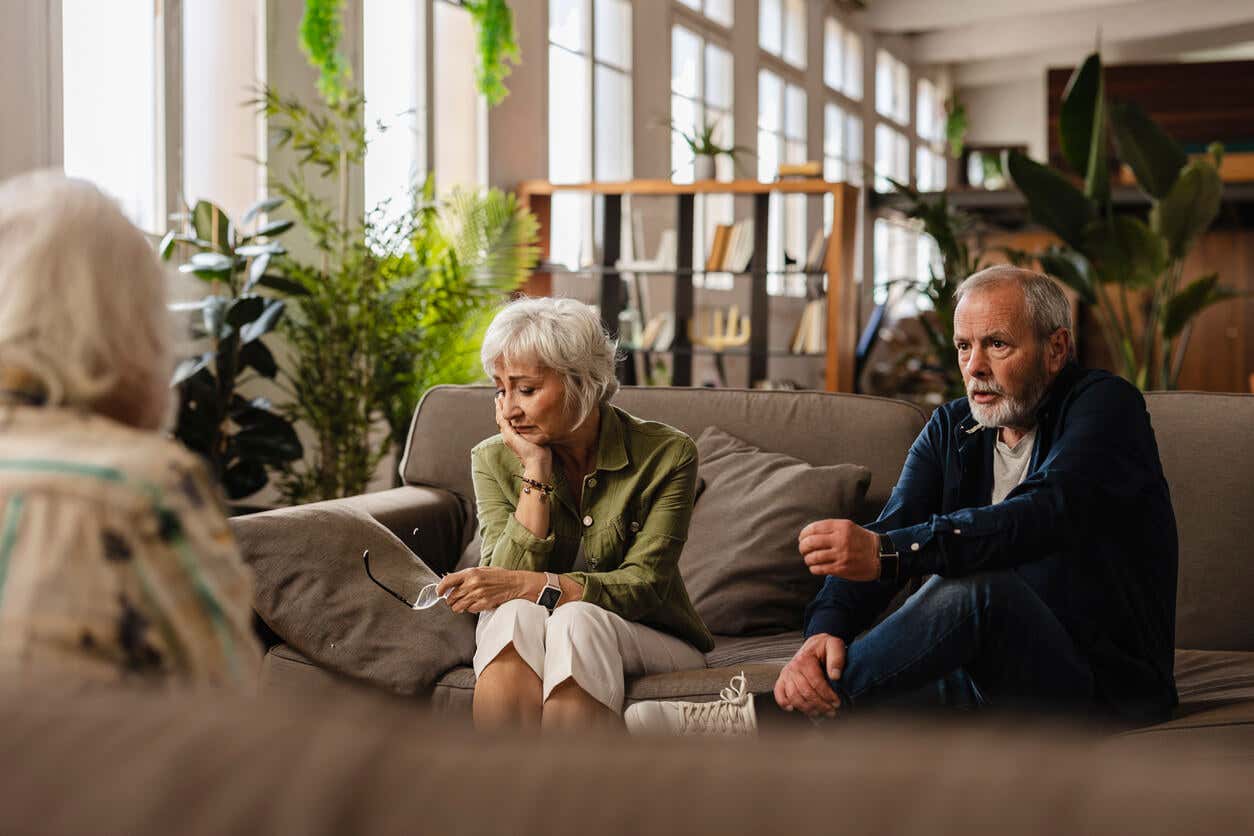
(438, 515)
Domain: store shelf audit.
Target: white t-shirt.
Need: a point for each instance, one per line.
(1010, 464)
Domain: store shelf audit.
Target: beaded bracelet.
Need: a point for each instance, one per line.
(528, 484)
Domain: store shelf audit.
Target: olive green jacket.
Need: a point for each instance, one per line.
(632, 519)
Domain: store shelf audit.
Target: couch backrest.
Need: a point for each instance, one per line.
(817, 427)
(1206, 442)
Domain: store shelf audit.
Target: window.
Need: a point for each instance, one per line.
(392, 81)
(702, 94)
(896, 251)
(221, 136)
(719, 11)
(930, 170)
(782, 29)
(782, 138)
(930, 125)
(588, 74)
(842, 59)
(110, 103)
(892, 88)
(892, 157)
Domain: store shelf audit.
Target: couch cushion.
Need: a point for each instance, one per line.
(741, 564)
(744, 650)
(314, 593)
(816, 427)
(1204, 443)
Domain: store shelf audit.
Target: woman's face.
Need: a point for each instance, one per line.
(533, 401)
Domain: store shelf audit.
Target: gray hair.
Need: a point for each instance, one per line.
(563, 335)
(82, 299)
(1047, 306)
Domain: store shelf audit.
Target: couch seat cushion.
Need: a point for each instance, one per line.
(741, 565)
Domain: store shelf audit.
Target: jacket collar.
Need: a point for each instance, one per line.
(611, 440)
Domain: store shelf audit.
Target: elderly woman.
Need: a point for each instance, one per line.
(116, 562)
(583, 510)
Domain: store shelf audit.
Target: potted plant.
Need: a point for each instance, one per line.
(243, 439)
(1126, 264)
(705, 150)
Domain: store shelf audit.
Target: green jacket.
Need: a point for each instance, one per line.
(633, 521)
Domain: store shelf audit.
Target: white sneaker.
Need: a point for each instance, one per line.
(732, 714)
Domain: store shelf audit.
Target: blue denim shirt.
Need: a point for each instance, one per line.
(1091, 528)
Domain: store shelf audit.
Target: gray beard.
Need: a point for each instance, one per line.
(1009, 411)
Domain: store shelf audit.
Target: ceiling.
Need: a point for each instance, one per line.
(986, 42)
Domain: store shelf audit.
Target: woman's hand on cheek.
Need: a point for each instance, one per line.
(528, 452)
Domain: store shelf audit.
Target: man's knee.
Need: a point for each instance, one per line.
(990, 591)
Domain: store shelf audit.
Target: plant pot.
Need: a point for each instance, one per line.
(703, 167)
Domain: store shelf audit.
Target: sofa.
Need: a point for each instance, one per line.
(1205, 445)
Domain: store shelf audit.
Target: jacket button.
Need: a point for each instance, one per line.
(635, 526)
(592, 483)
(957, 531)
(587, 520)
(914, 547)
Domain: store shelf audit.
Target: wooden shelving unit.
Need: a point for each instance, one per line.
(842, 301)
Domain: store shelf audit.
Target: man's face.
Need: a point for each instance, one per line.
(1006, 367)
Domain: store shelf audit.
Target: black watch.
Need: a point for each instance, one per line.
(890, 560)
(551, 593)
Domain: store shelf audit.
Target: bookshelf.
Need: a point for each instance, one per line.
(841, 326)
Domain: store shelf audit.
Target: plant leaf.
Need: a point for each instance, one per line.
(256, 270)
(1097, 172)
(212, 224)
(1154, 157)
(1125, 251)
(211, 266)
(214, 317)
(189, 367)
(1052, 200)
(262, 207)
(1078, 114)
(283, 285)
(273, 442)
(1072, 269)
(255, 355)
(264, 322)
(1192, 300)
(274, 228)
(244, 478)
(1189, 208)
(244, 310)
(253, 250)
(166, 248)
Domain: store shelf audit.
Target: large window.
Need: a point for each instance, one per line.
(842, 59)
(111, 93)
(719, 11)
(892, 88)
(892, 157)
(930, 126)
(589, 73)
(782, 29)
(782, 138)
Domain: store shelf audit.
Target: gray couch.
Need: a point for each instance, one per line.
(1207, 454)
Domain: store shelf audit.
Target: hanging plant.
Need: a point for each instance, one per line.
(498, 46)
(321, 30)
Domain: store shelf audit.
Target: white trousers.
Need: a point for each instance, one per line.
(582, 641)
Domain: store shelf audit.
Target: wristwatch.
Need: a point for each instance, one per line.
(552, 591)
(890, 560)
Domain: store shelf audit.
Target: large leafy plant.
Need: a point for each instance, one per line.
(243, 439)
(1130, 268)
(392, 303)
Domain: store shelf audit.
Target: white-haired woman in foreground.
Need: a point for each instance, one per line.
(116, 562)
(583, 511)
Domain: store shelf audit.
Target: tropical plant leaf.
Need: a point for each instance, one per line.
(262, 207)
(254, 250)
(265, 320)
(166, 248)
(210, 266)
(1194, 298)
(283, 285)
(1052, 200)
(213, 316)
(1154, 157)
(189, 367)
(244, 478)
(1189, 208)
(273, 228)
(1079, 113)
(212, 225)
(244, 310)
(256, 356)
(1072, 269)
(1125, 251)
(271, 441)
(1097, 172)
(256, 270)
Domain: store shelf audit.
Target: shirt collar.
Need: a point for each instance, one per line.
(612, 440)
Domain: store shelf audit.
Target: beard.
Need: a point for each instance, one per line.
(1018, 411)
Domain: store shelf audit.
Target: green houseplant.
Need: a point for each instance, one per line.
(1130, 268)
(243, 439)
(705, 150)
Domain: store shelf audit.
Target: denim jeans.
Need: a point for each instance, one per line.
(982, 640)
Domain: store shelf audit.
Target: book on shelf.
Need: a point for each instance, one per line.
(817, 254)
(809, 335)
(731, 248)
(810, 168)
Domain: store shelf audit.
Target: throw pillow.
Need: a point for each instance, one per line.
(741, 565)
(313, 591)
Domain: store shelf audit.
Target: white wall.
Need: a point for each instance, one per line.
(30, 94)
(1012, 113)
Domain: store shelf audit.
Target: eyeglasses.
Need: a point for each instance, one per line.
(427, 596)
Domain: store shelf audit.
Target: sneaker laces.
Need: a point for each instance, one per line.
(726, 716)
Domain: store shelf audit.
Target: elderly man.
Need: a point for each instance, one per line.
(1036, 513)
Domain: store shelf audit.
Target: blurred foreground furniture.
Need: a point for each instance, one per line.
(1207, 452)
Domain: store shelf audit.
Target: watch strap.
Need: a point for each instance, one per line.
(890, 560)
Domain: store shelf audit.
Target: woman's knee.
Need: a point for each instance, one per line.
(575, 617)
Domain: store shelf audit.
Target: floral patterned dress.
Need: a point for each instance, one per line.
(116, 562)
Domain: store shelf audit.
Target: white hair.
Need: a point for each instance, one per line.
(1047, 306)
(563, 335)
(82, 300)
